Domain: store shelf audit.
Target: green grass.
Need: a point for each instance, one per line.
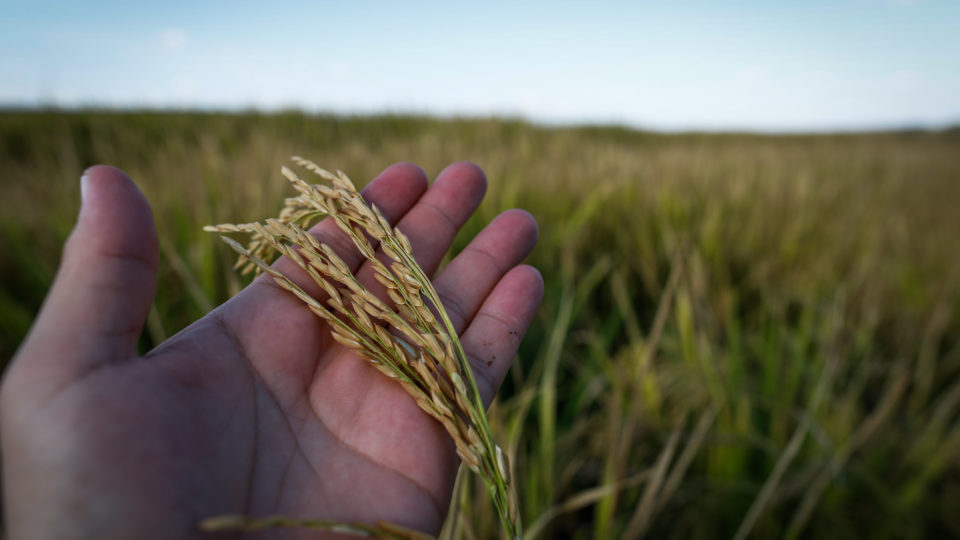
(741, 334)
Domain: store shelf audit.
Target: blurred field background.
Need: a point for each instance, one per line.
(742, 335)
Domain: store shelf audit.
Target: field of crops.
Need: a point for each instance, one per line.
(742, 335)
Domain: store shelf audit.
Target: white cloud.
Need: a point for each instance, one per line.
(173, 39)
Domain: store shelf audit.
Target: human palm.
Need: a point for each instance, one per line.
(253, 409)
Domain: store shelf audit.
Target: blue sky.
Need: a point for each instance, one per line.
(762, 65)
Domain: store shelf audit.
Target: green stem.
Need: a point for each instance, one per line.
(501, 492)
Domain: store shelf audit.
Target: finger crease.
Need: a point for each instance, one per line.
(481, 375)
(494, 262)
(137, 259)
(454, 226)
(498, 318)
(453, 307)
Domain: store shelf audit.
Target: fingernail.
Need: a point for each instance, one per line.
(84, 180)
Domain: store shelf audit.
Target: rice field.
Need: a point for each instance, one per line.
(742, 335)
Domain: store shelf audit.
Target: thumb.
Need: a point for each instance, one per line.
(105, 285)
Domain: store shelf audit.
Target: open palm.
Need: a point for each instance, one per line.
(253, 409)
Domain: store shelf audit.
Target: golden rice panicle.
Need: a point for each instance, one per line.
(408, 336)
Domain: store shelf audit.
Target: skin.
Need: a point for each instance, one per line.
(252, 409)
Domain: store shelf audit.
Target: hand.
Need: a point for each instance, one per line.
(253, 409)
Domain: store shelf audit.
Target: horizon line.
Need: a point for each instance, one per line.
(840, 129)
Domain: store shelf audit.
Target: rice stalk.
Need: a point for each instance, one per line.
(410, 339)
